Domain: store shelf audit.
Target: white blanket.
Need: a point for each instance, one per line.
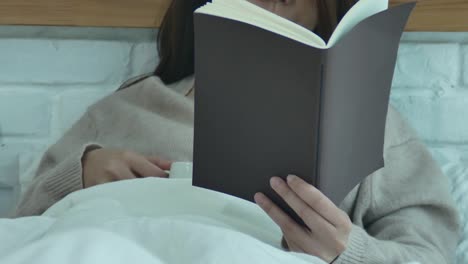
(149, 220)
(146, 221)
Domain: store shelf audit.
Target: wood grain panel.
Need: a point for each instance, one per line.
(438, 15)
(429, 15)
(106, 13)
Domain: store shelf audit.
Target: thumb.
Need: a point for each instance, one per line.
(161, 163)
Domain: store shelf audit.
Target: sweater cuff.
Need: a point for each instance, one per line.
(68, 175)
(356, 247)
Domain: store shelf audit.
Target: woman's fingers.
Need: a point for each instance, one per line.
(161, 163)
(310, 217)
(116, 173)
(142, 167)
(289, 227)
(316, 200)
(125, 174)
(325, 239)
(107, 165)
(291, 245)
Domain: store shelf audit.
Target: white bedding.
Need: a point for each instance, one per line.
(146, 221)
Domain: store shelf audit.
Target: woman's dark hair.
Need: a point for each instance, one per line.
(176, 37)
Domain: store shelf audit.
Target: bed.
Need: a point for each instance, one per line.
(72, 212)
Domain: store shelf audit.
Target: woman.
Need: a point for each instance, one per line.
(401, 212)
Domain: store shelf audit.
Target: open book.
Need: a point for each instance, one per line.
(244, 11)
(272, 98)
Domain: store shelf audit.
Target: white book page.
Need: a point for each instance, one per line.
(244, 11)
(360, 11)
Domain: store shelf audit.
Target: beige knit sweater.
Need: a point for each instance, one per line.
(402, 212)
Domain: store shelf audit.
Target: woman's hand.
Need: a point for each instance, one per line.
(108, 165)
(329, 226)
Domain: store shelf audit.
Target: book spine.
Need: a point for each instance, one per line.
(319, 126)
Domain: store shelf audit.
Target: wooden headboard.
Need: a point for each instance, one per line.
(430, 15)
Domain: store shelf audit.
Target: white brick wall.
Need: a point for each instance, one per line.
(24, 113)
(421, 65)
(72, 61)
(49, 75)
(431, 90)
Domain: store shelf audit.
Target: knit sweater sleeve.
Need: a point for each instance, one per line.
(403, 212)
(60, 170)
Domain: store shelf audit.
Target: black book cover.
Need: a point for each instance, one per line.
(267, 105)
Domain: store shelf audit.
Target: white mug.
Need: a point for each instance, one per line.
(181, 170)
